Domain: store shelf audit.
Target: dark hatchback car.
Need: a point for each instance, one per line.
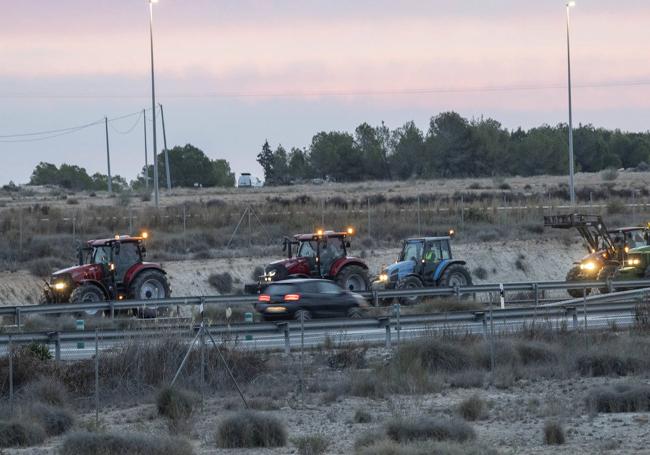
(309, 298)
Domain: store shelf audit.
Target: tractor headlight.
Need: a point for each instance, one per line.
(634, 262)
(383, 277)
(60, 286)
(589, 266)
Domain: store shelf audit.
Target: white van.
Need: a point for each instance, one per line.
(246, 180)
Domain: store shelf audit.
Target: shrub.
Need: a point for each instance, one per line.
(222, 282)
(251, 429)
(54, 420)
(84, 443)
(480, 273)
(175, 404)
(434, 355)
(47, 390)
(20, 434)
(609, 175)
(370, 437)
(385, 447)
(367, 386)
(257, 272)
(348, 357)
(531, 352)
(615, 206)
(422, 428)
(553, 433)
(619, 398)
(473, 408)
(311, 445)
(72, 201)
(468, 379)
(44, 266)
(606, 364)
(362, 416)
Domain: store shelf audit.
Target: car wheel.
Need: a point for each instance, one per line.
(306, 315)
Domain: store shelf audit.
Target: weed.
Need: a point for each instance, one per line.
(222, 282)
(251, 429)
(311, 445)
(553, 433)
(83, 443)
(619, 398)
(473, 408)
(175, 404)
(54, 420)
(423, 428)
(362, 416)
(22, 433)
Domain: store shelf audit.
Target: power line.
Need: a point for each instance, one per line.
(354, 92)
(131, 128)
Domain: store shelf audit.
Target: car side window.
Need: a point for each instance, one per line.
(328, 288)
(310, 287)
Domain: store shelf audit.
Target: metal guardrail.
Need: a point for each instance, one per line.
(112, 306)
(623, 303)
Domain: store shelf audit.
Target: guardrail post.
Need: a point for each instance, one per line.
(398, 327)
(57, 346)
(375, 299)
(385, 322)
(287, 341)
(112, 305)
(457, 291)
(502, 296)
(571, 310)
(18, 317)
(610, 288)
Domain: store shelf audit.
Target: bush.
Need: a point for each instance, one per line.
(362, 416)
(606, 364)
(367, 386)
(47, 390)
(434, 355)
(257, 272)
(348, 357)
(614, 206)
(222, 282)
(473, 408)
(251, 429)
(531, 352)
(609, 175)
(311, 445)
(619, 398)
(370, 437)
(54, 420)
(44, 266)
(84, 443)
(20, 434)
(385, 447)
(175, 404)
(467, 379)
(480, 273)
(553, 433)
(422, 428)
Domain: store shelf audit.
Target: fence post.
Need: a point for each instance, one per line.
(375, 298)
(96, 378)
(57, 347)
(11, 375)
(302, 359)
(287, 341)
(584, 310)
(398, 327)
(492, 361)
(18, 318)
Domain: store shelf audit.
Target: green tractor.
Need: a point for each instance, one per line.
(607, 248)
(637, 265)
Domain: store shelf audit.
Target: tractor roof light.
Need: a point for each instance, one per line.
(319, 232)
(452, 232)
(350, 231)
(145, 235)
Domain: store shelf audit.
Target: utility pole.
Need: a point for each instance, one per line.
(572, 191)
(146, 154)
(167, 172)
(108, 158)
(153, 108)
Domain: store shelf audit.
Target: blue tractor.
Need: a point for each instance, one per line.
(424, 262)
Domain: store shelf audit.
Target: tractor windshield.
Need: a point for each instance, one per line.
(101, 255)
(636, 239)
(412, 251)
(307, 250)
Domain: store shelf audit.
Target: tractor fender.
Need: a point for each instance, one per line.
(443, 266)
(99, 284)
(344, 262)
(135, 270)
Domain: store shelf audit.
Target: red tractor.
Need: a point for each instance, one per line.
(109, 269)
(323, 254)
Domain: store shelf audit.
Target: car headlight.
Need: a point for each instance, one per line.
(60, 286)
(587, 266)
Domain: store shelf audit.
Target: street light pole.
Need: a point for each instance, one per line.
(153, 107)
(572, 190)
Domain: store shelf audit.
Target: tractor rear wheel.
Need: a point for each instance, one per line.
(574, 275)
(353, 278)
(410, 282)
(455, 276)
(149, 285)
(88, 293)
(606, 273)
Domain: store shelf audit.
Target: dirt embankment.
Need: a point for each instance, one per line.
(541, 260)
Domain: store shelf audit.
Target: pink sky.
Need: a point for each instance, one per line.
(69, 62)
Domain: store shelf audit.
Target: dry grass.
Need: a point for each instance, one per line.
(47, 390)
(53, 419)
(175, 404)
(631, 397)
(21, 433)
(84, 443)
(428, 428)
(250, 429)
(386, 447)
(311, 445)
(362, 416)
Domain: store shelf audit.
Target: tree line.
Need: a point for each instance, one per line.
(452, 146)
(189, 167)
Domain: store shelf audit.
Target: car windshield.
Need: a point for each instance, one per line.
(412, 251)
(101, 255)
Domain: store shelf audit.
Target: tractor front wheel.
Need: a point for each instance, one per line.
(353, 278)
(574, 275)
(410, 282)
(88, 293)
(606, 273)
(149, 285)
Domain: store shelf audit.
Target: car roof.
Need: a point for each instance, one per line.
(300, 281)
